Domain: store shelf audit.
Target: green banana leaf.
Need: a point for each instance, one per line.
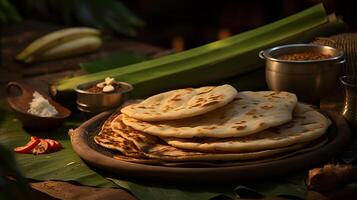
(179, 70)
(114, 60)
(66, 165)
(16, 187)
(62, 165)
(250, 81)
(107, 15)
(254, 80)
(8, 13)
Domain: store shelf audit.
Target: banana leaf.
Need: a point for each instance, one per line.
(8, 13)
(107, 15)
(212, 62)
(66, 165)
(62, 165)
(250, 81)
(114, 60)
(15, 187)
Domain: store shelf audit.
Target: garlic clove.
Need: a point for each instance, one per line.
(109, 81)
(101, 84)
(108, 88)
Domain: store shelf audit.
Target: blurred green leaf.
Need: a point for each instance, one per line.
(16, 187)
(62, 165)
(246, 192)
(8, 13)
(124, 13)
(118, 26)
(86, 17)
(252, 81)
(107, 15)
(115, 60)
(3, 19)
(292, 186)
(173, 191)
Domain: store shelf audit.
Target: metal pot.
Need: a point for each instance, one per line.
(98, 102)
(310, 80)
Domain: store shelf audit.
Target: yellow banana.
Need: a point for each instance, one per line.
(53, 39)
(70, 48)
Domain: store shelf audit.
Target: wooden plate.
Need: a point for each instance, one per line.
(83, 144)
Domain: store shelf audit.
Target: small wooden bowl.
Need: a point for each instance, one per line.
(19, 97)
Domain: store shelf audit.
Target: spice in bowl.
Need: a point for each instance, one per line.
(96, 97)
(107, 86)
(305, 56)
(40, 106)
(297, 68)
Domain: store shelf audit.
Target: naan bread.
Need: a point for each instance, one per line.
(307, 125)
(309, 147)
(172, 154)
(145, 160)
(111, 140)
(140, 139)
(160, 150)
(181, 103)
(249, 113)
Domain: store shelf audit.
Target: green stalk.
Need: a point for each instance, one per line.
(283, 28)
(147, 83)
(212, 62)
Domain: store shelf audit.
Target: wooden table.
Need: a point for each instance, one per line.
(38, 75)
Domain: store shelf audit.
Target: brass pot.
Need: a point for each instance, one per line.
(310, 80)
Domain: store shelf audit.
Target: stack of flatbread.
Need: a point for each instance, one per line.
(213, 124)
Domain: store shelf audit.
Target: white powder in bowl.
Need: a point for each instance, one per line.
(41, 107)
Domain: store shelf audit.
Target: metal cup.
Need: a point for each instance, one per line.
(310, 80)
(349, 110)
(90, 102)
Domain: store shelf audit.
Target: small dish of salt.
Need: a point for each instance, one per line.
(33, 109)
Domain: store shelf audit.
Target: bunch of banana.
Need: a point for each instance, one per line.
(62, 43)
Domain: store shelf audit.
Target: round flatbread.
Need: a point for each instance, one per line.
(307, 125)
(140, 139)
(309, 147)
(159, 150)
(248, 113)
(109, 139)
(181, 103)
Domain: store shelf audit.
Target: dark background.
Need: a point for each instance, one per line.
(197, 22)
(184, 24)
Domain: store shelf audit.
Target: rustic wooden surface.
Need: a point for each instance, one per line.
(72, 191)
(15, 38)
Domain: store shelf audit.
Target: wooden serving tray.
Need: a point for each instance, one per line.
(83, 144)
